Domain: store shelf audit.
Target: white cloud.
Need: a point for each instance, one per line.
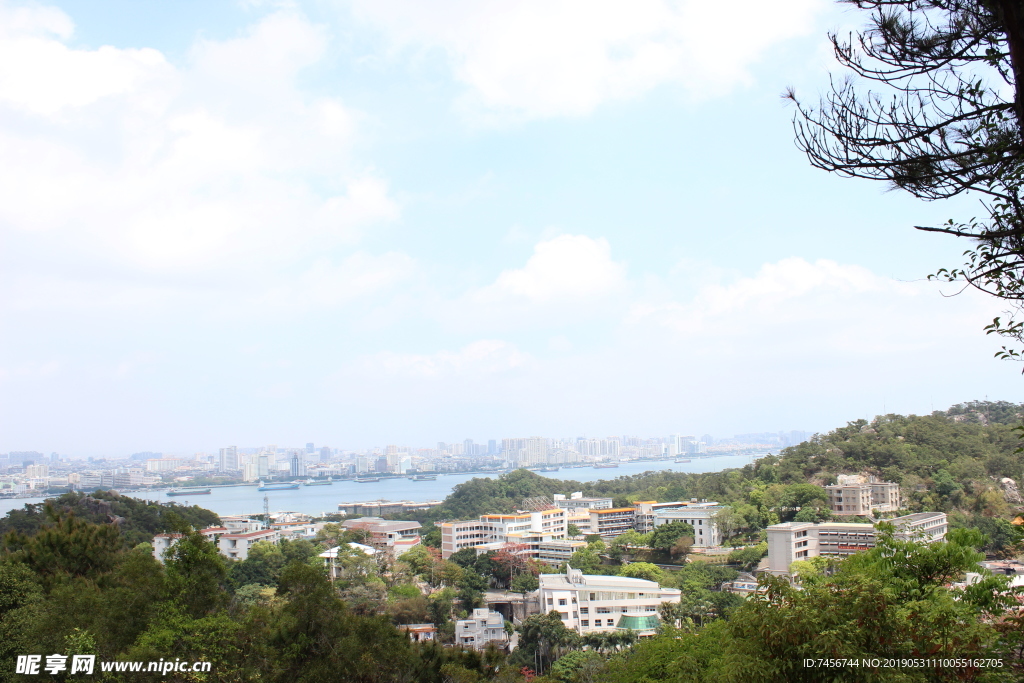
(542, 58)
(119, 159)
(567, 268)
(478, 361)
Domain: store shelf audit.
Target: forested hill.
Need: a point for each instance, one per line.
(139, 520)
(949, 460)
(966, 448)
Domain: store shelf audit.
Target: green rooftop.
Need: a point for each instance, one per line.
(647, 622)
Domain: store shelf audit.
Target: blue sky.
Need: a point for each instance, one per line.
(361, 223)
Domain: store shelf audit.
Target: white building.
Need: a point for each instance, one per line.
(482, 628)
(576, 501)
(236, 546)
(528, 529)
(791, 541)
(700, 516)
(588, 603)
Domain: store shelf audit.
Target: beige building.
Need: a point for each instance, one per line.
(611, 522)
(395, 537)
(791, 541)
(858, 498)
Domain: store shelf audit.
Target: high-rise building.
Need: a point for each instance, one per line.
(263, 465)
(325, 454)
(310, 449)
(228, 459)
(297, 463)
(492, 447)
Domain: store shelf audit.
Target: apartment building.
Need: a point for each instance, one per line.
(857, 498)
(791, 541)
(396, 537)
(611, 522)
(236, 546)
(492, 532)
(483, 627)
(589, 603)
(701, 516)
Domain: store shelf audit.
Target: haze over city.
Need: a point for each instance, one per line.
(367, 223)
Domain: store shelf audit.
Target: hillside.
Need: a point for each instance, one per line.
(139, 520)
(952, 461)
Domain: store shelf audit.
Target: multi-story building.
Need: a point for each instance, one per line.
(396, 537)
(590, 603)
(480, 629)
(228, 460)
(791, 541)
(576, 502)
(852, 499)
(611, 522)
(643, 519)
(163, 464)
(701, 516)
(236, 546)
(557, 552)
(491, 532)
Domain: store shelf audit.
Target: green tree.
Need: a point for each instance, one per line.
(572, 530)
(946, 118)
(644, 570)
(665, 536)
(586, 560)
(196, 574)
(749, 557)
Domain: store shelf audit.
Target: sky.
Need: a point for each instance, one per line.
(361, 223)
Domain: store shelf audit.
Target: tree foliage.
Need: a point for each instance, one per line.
(942, 115)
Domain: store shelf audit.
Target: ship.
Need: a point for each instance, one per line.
(367, 480)
(683, 460)
(189, 492)
(605, 465)
(312, 482)
(277, 487)
(423, 477)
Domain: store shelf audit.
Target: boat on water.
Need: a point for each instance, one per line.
(605, 465)
(367, 480)
(423, 477)
(277, 487)
(312, 482)
(683, 460)
(189, 492)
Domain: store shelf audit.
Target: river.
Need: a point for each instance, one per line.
(319, 500)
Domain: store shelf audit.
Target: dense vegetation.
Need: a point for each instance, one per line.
(951, 461)
(78, 577)
(138, 520)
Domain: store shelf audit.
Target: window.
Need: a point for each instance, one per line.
(564, 615)
(585, 622)
(561, 602)
(584, 610)
(623, 609)
(597, 622)
(650, 608)
(551, 601)
(604, 610)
